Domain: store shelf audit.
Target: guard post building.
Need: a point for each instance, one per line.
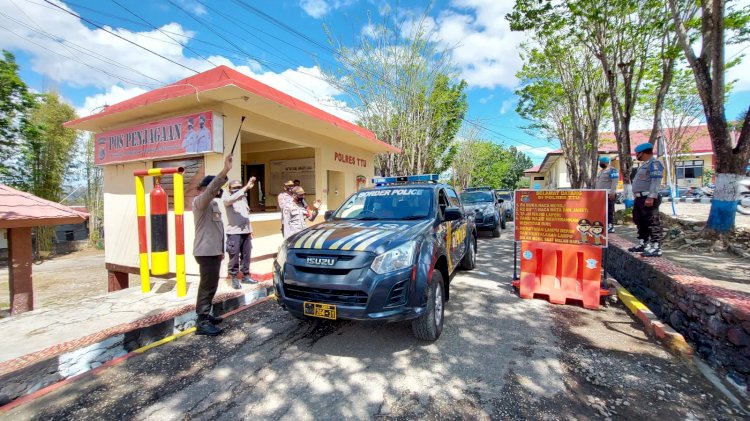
(192, 124)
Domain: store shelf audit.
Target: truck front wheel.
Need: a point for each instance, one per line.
(429, 325)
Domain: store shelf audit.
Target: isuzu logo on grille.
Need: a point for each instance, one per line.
(321, 261)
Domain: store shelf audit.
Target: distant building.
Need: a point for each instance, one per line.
(689, 166)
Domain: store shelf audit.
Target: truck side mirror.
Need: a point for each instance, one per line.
(327, 216)
(453, 214)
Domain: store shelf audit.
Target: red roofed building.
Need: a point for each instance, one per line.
(194, 123)
(689, 165)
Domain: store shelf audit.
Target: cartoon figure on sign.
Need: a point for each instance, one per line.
(203, 140)
(191, 138)
(596, 231)
(584, 227)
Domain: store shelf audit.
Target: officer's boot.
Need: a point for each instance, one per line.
(236, 282)
(639, 248)
(653, 250)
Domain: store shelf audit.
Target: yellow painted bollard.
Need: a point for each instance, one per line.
(179, 227)
(140, 205)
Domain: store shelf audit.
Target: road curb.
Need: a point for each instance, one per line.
(119, 360)
(671, 339)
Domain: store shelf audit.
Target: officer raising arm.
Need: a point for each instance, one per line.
(208, 247)
(646, 185)
(296, 213)
(239, 231)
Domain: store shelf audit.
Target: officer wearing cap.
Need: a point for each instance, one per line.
(239, 231)
(646, 209)
(607, 179)
(285, 199)
(296, 213)
(208, 247)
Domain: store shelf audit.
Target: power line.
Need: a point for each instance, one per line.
(120, 37)
(151, 25)
(130, 82)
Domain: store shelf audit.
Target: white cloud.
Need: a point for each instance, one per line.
(116, 59)
(506, 106)
(194, 7)
(741, 71)
(320, 8)
(536, 151)
(486, 99)
(483, 45)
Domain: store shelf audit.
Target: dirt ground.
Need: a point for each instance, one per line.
(62, 279)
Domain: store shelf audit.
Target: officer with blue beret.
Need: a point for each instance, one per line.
(607, 179)
(646, 185)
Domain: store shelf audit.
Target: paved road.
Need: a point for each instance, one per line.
(499, 357)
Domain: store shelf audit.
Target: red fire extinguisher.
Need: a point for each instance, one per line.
(159, 236)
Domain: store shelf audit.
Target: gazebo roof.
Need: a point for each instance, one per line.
(20, 210)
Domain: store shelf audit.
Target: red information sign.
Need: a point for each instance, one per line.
(562, 216)
(178, 136)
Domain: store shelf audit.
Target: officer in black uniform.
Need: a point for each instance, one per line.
(646, 185)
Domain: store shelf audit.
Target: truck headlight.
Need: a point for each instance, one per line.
(399, 258)
(281, 256)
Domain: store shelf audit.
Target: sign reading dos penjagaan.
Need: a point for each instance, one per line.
(173, 137)
(562, 216)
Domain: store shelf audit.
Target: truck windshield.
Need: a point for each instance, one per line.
(477, 197)
(388, 203)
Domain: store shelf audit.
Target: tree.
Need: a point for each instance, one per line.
(15, 104)
(400, 84)
(46, 152)
(562, 92)
(705, 23)
(490, 164)
(94, 197)
(464, 159)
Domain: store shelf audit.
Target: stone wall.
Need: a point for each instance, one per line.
(714, 320)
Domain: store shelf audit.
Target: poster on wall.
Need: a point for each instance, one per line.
(292, 169)
(562, 216)
(173, 137)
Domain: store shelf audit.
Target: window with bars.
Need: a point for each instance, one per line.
(194, 172)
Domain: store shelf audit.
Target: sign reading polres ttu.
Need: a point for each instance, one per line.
(185, 135)
(562, 216)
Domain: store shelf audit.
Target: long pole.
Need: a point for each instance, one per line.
(239, 130)
(672, 187)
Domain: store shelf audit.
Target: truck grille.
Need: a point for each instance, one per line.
(340, 257)
(322, 270)
(328, 296)
(398, 294)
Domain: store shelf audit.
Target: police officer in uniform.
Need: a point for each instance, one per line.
(607, 179)
(297, 212)
(646, 211)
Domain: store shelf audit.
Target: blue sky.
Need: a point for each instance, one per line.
(91, 68)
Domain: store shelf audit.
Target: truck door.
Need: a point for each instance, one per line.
(459, 227)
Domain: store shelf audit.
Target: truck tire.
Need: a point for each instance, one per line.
(429, 325)
(496, 230)
(502, 220)
(469, 261)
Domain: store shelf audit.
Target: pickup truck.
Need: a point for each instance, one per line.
(387, 253)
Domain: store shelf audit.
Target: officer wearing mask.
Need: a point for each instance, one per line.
(208, 247)
(239, 231)
(607, 179)
(646, 210)
(296, 214)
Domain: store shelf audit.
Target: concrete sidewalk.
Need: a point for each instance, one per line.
(44, 346)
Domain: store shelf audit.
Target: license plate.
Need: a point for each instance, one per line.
(324, 311)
